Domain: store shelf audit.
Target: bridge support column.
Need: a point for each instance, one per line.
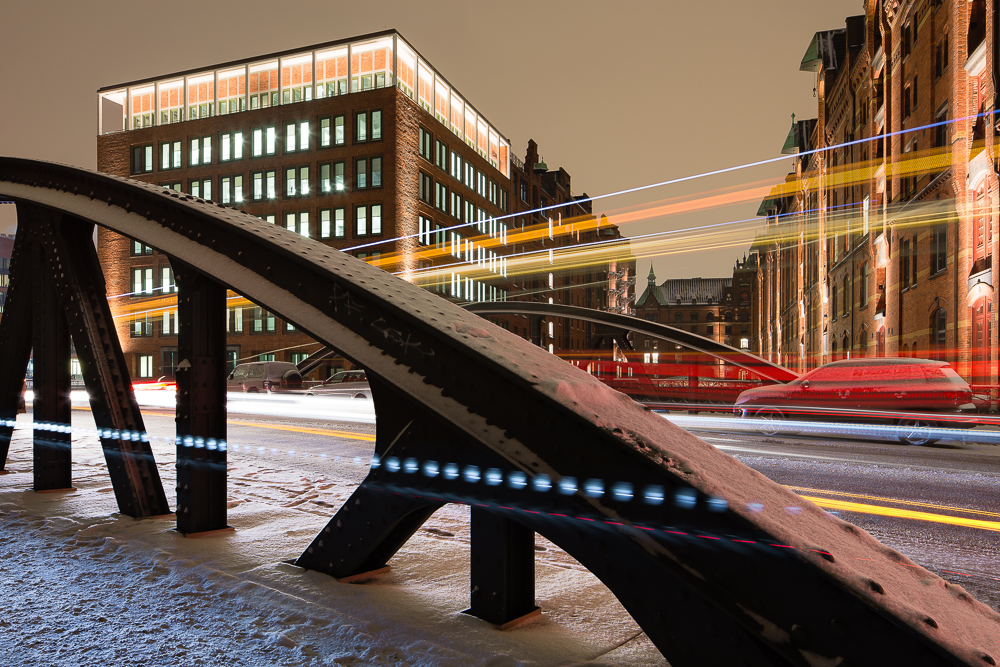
(201, 402)
(50, 338)
(15, 339)
(502, 569)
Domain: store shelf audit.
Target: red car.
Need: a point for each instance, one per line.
(882, 390)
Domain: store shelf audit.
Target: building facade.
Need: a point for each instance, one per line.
(360, 144)
(880, 241)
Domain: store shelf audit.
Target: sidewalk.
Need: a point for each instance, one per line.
(87, 586)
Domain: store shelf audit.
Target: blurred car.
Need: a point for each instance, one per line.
(162, 383)
(882, 390)
(345, 383)
(265, 376)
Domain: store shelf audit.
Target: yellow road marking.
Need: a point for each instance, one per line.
(915, 503)
(313, 431)
(879, 510)
(350, 435)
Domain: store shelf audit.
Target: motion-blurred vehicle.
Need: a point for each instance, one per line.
(911, 393)
(163, 383)
(345, 383)
(265, 377)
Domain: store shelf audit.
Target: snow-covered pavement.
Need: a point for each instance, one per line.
(85, 585)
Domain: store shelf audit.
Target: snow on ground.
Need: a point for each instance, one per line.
(85, 585)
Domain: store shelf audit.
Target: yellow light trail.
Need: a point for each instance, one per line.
(915, 503)
(881, 510)
(311, 431)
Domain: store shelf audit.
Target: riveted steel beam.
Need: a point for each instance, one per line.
(52, 460)
(15, 340)
(201, 401)
(83, 301)
(619, 488)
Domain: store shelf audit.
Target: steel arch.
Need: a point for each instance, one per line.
(710, 582)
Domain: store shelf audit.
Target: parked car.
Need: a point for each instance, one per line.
(265, 376)
(901, 391)
(344, 383)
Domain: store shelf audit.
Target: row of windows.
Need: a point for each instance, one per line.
(296, 137)
(437, 194)
(143, 281)
(461, 170)
(366, 220)
(297, 183)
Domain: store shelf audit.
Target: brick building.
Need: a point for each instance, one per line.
(358, 143)
(880, 241)
(717, 308)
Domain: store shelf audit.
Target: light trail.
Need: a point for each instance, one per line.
(914, 503)
(880, 510)
(328, 433)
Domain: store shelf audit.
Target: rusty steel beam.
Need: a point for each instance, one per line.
(657, 514)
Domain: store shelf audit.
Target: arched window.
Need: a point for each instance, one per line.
(880, 345)
(863, 343)
(939, 334)
(710, 317)
(847, 295)
(729, 316)
(846, 345)
(833, 350)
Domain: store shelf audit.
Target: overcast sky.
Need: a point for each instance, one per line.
(620, 93)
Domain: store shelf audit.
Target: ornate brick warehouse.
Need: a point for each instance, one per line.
(360, 144)
(881, 243)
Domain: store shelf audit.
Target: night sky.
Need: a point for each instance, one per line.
(620, 94)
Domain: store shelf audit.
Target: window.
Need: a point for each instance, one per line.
(361, 127)
(297, 182)
(847, 295)
(167, 284)
(263, 320)
(170, 155)
(833, 302)
(710, 329)
(941, 61)
(331, 131)
(331, 223)
(139, 248)
(907, 40)
(361, 174)
(904, 263)
(941, 130)
(441, 197)
(331, 177)
(370, 257)
(939, 250)
(863, 286)
(232, 189)
(298, 222)
(376, 175)
(906, 102)
(297, 137)
(430, 232)
(169, 323)
(377, 125)
(145, 365)
(694, 317)
(426, 188)
(231, 146)
(503, 200)
(142, 159)
(142, 281)
(442, 155)
(456, 205)
(425, 145)
(677, 317)
(263, 141)
(176, 187)
(368, 220)
(201, 188)
(361, 221)
(201, 151)
(939, 328)
(456, 166)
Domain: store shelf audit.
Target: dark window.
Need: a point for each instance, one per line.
(678, 317)
(904, 263)
(907, 40)
(142, 159)
(941, 130)
(425, 145)
(940, 334)
(939, 252)
(426, 189)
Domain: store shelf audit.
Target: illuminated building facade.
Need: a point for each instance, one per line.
(360, 144)
(880, 242)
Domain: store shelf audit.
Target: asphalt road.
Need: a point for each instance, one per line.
(938, 505)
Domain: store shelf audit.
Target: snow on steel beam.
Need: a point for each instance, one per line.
(720, 561)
